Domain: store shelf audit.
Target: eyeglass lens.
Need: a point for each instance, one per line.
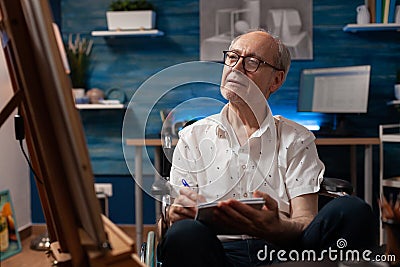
(250, 63)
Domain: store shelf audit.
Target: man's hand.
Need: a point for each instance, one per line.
(184, 206)
(248, 220)
(267, 223)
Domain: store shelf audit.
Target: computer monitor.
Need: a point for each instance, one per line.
(334, 90)
(339, 91)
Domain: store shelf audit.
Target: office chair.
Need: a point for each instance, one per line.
(335, 187)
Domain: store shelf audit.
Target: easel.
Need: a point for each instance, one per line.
(80, 236)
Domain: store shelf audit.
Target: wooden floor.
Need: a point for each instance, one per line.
(28, 257)
(32, 258)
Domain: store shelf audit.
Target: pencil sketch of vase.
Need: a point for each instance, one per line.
(223, 20)
(287, 24)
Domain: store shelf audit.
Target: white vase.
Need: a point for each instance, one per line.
(131, 20)
(363, 16)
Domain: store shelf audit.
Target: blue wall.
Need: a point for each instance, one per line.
(127, 62)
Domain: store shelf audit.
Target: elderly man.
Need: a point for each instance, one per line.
(246, 152)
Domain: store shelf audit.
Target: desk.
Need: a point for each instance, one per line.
(352, 142)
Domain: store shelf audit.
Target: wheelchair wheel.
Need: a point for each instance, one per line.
(150, 249)
(143, 252)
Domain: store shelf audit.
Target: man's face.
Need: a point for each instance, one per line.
(237, 82)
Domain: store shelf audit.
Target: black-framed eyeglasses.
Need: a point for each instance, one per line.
(250, 63)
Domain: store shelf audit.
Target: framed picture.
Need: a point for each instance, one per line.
(10, 242)
(222, 20)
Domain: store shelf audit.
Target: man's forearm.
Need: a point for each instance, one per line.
(289, 230)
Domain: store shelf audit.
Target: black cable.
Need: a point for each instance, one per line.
(29, 163)
(20, 136)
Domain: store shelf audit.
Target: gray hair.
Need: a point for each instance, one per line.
(283, 59)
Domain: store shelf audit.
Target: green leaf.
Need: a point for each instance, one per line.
(129, 5)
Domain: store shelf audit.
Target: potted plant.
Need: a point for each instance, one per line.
(78, 54)
(131, 15)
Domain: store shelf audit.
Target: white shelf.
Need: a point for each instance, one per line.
(391, 137)
(391, 182)
(388, 133)
(393, 102)
(153, 32)
(372, 27)
(99, 106)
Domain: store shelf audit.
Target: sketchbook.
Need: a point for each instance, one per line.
(205, 214)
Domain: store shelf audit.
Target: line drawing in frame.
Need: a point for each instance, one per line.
(222, 20)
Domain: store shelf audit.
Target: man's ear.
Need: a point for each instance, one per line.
(278, 80)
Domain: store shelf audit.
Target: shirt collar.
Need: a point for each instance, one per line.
(265, 125)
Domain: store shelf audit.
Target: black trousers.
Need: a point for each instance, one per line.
(343, 223)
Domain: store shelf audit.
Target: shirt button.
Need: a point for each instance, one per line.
(243, 166)
(245, 194)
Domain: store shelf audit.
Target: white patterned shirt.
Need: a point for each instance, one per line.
(280, 159)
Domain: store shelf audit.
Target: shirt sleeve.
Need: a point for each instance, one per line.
(305, 170)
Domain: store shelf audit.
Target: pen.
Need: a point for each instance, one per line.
(194, 188)
(185, 183)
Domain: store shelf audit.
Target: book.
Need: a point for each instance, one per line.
(385, 7)
(392, 7)
(378, 10)
(205, 214)
(371, 4)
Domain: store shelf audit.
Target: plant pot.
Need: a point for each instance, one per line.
(131, 20)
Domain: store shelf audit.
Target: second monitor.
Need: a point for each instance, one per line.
(334, 90)
(339, 90)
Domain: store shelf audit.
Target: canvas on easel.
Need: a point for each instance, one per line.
(79, 235)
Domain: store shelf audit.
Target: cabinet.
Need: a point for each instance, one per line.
(388, 134)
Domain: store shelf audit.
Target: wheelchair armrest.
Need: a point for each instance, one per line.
(335, 185)
(160, 187)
